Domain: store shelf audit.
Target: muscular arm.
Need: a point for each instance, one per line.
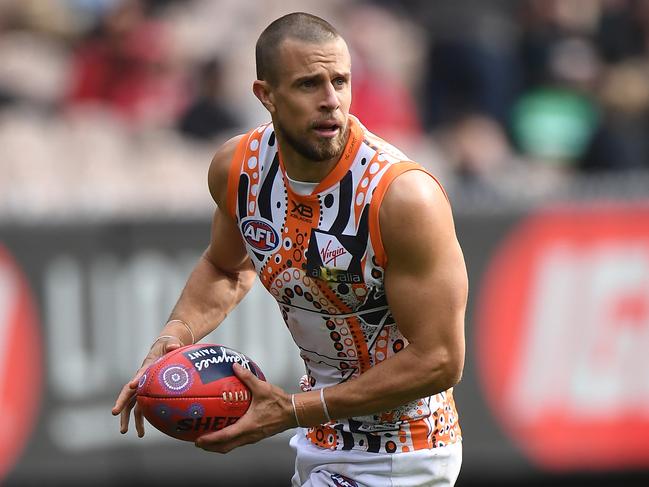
(220, 279)
(426, 287)
(224, 273)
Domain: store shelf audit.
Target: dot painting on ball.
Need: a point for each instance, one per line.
(192, 391)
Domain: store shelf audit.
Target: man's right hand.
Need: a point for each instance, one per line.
(126, 399)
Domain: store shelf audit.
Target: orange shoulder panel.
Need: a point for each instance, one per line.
(377, 198)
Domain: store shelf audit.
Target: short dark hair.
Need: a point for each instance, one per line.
(298, 25)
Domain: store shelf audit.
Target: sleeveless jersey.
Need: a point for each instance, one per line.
(321, 257)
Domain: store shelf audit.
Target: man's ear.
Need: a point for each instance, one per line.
(264, 93)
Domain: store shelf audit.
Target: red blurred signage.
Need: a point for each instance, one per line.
(563, 337)
(20, 362)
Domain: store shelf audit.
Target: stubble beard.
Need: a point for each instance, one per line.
(319, 151)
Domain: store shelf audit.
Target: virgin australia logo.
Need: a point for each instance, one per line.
(333, 254)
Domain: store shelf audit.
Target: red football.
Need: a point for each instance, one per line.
(193, 390)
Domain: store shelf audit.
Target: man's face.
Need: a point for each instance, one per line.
(312, 95)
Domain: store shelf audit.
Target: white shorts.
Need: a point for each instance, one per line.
(317, 467)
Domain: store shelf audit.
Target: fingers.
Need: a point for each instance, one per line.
(245, 376)
(266, 416)
(219, 447)
(228, 439)
(214, 442)
(171, 345)
(125, 415)
(139, 420)
(125, 402)
(124, 398)
(224, 440)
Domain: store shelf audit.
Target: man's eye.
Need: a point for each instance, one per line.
(308, 84)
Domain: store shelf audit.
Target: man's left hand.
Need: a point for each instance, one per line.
(270, 412)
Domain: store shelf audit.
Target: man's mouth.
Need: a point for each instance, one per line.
(327, 128)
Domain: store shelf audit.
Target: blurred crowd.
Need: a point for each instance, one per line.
(113, 107)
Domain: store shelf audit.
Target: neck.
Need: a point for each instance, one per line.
(300, 168)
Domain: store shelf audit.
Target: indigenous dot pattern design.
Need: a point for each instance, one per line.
(175, 379)
(326, 274)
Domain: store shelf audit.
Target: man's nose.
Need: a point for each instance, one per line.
(329, 101)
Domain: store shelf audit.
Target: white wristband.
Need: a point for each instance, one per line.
(191, 333)
(294, 410)
(324, 404)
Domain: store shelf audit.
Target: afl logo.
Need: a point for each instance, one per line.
(260, 234)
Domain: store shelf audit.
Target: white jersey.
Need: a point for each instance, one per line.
(321, 257)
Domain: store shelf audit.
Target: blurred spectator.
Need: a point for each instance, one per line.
(478, 151)
(623, 41)
(383, 57)
(34, 55)
(208, 114)
(545, 26)
(478, 148)
(471, 59)
(384, 105)
(623, 30)
(127, 66)
(578, 111)
(33, 69)
(555, 120)
(624, 144)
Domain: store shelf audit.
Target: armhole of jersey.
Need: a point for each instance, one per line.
(233, 175)
(377, 198)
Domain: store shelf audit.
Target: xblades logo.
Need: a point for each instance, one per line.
(301, 211)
